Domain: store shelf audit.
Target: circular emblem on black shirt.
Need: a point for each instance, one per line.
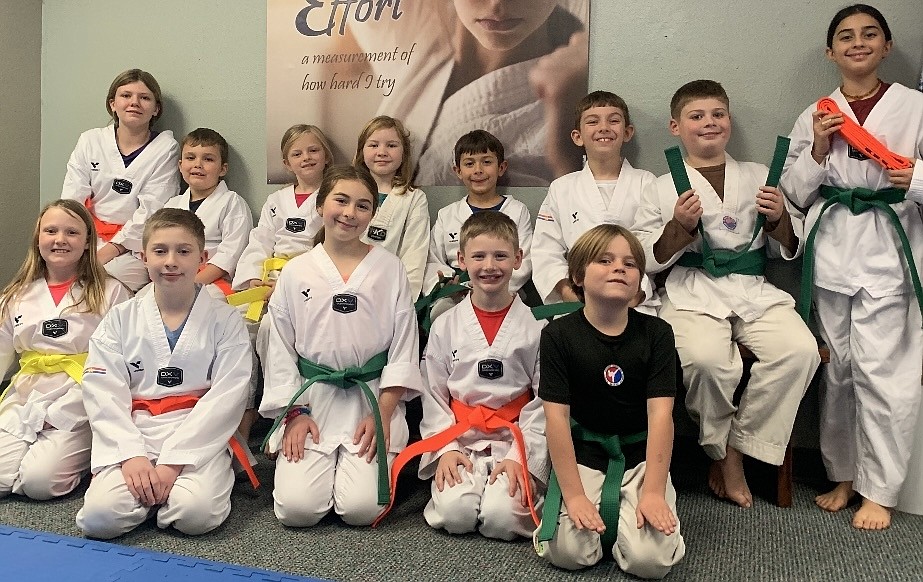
(613, 375)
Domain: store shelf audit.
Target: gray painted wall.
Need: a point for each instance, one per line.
(209, 57)
(20, 118)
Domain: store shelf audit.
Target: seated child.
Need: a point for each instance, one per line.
(163, 400)
(734, 305)
(203, 163)
(608, 381)
(479, 162)
(482, 357)
(49, 310)
(341, 322)
(607, 190)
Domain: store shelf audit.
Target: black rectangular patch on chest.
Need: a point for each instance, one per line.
(855, 154)
(54, 328)
(295, 224)
(345, 303)
(169, 377)
(377, 233)
(490, 369)
(122, 186)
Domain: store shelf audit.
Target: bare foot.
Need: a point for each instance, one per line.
(716, 480)
(836, 499)
(735, 483)
(872, 516)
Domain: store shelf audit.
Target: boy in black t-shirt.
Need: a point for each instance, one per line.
(608, 381)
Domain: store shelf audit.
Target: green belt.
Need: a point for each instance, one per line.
(720, 263)
(555, 309)
(612, 485)
(353, 376)
(424, 305)
(857, 200)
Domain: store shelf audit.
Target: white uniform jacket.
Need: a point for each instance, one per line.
(284, 230)
(228, 222)
(130, 359)
(862, 251)
(692, 289)
(459, 365)
(572, 207)
(35, 323)
(401, 226)
(314, 314)
(445, 242)
(121, 195)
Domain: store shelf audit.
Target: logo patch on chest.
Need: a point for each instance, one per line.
(122, 186)
(169, 377)
(345, 303)
(729, 223)
(490, 369)
(856, 154)
(613, 375)
(295, 224)
(54, 328)
(377, 233)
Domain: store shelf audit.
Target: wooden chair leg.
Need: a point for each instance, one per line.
(784, 483)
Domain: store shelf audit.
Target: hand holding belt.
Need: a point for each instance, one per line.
(348, 378)
(612, 485)
(104, 230)
(857, 200)
(859, 138)
(256, 296)
(158, 406)
(467, 417)
(720, 262)
(424, 305)
(31, 362)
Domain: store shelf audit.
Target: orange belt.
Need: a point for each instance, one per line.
(859, 138)
(220, 283)
(160, 406)
(466, 418)
(105, 230)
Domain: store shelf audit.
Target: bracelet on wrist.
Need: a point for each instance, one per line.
(297, 411)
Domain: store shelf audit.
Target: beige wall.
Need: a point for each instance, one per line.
(209, 57)
(20, 119)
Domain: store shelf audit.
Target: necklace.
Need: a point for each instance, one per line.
(864, 95)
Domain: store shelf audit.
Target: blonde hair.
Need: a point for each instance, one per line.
(336, 174)
(296, 131)
(91, 275)
(590, 247)
(133, 76)
(402, 178)
(489, 222)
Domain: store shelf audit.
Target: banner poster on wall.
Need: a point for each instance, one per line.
(514, 68)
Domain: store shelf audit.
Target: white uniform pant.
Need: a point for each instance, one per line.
(49, 467)
(306, 491)
(644, 552)
(199, 502)
(761, 425)
(476, 505)
(130, 270)
(871, 399)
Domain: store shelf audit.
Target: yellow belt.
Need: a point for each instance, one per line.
(256, 296)
(35, 363)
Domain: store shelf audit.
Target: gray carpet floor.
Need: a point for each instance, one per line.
(723, 542)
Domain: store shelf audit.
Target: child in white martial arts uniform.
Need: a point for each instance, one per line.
(729, 306)
(49, 311)
(164, 387)
(286, 228)
(124, 173)
(481, 362)
(401, 224)
(341, 322)
(225, 214)
(607, 190)
(479, 163)
(866, 309)
(608, 382)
